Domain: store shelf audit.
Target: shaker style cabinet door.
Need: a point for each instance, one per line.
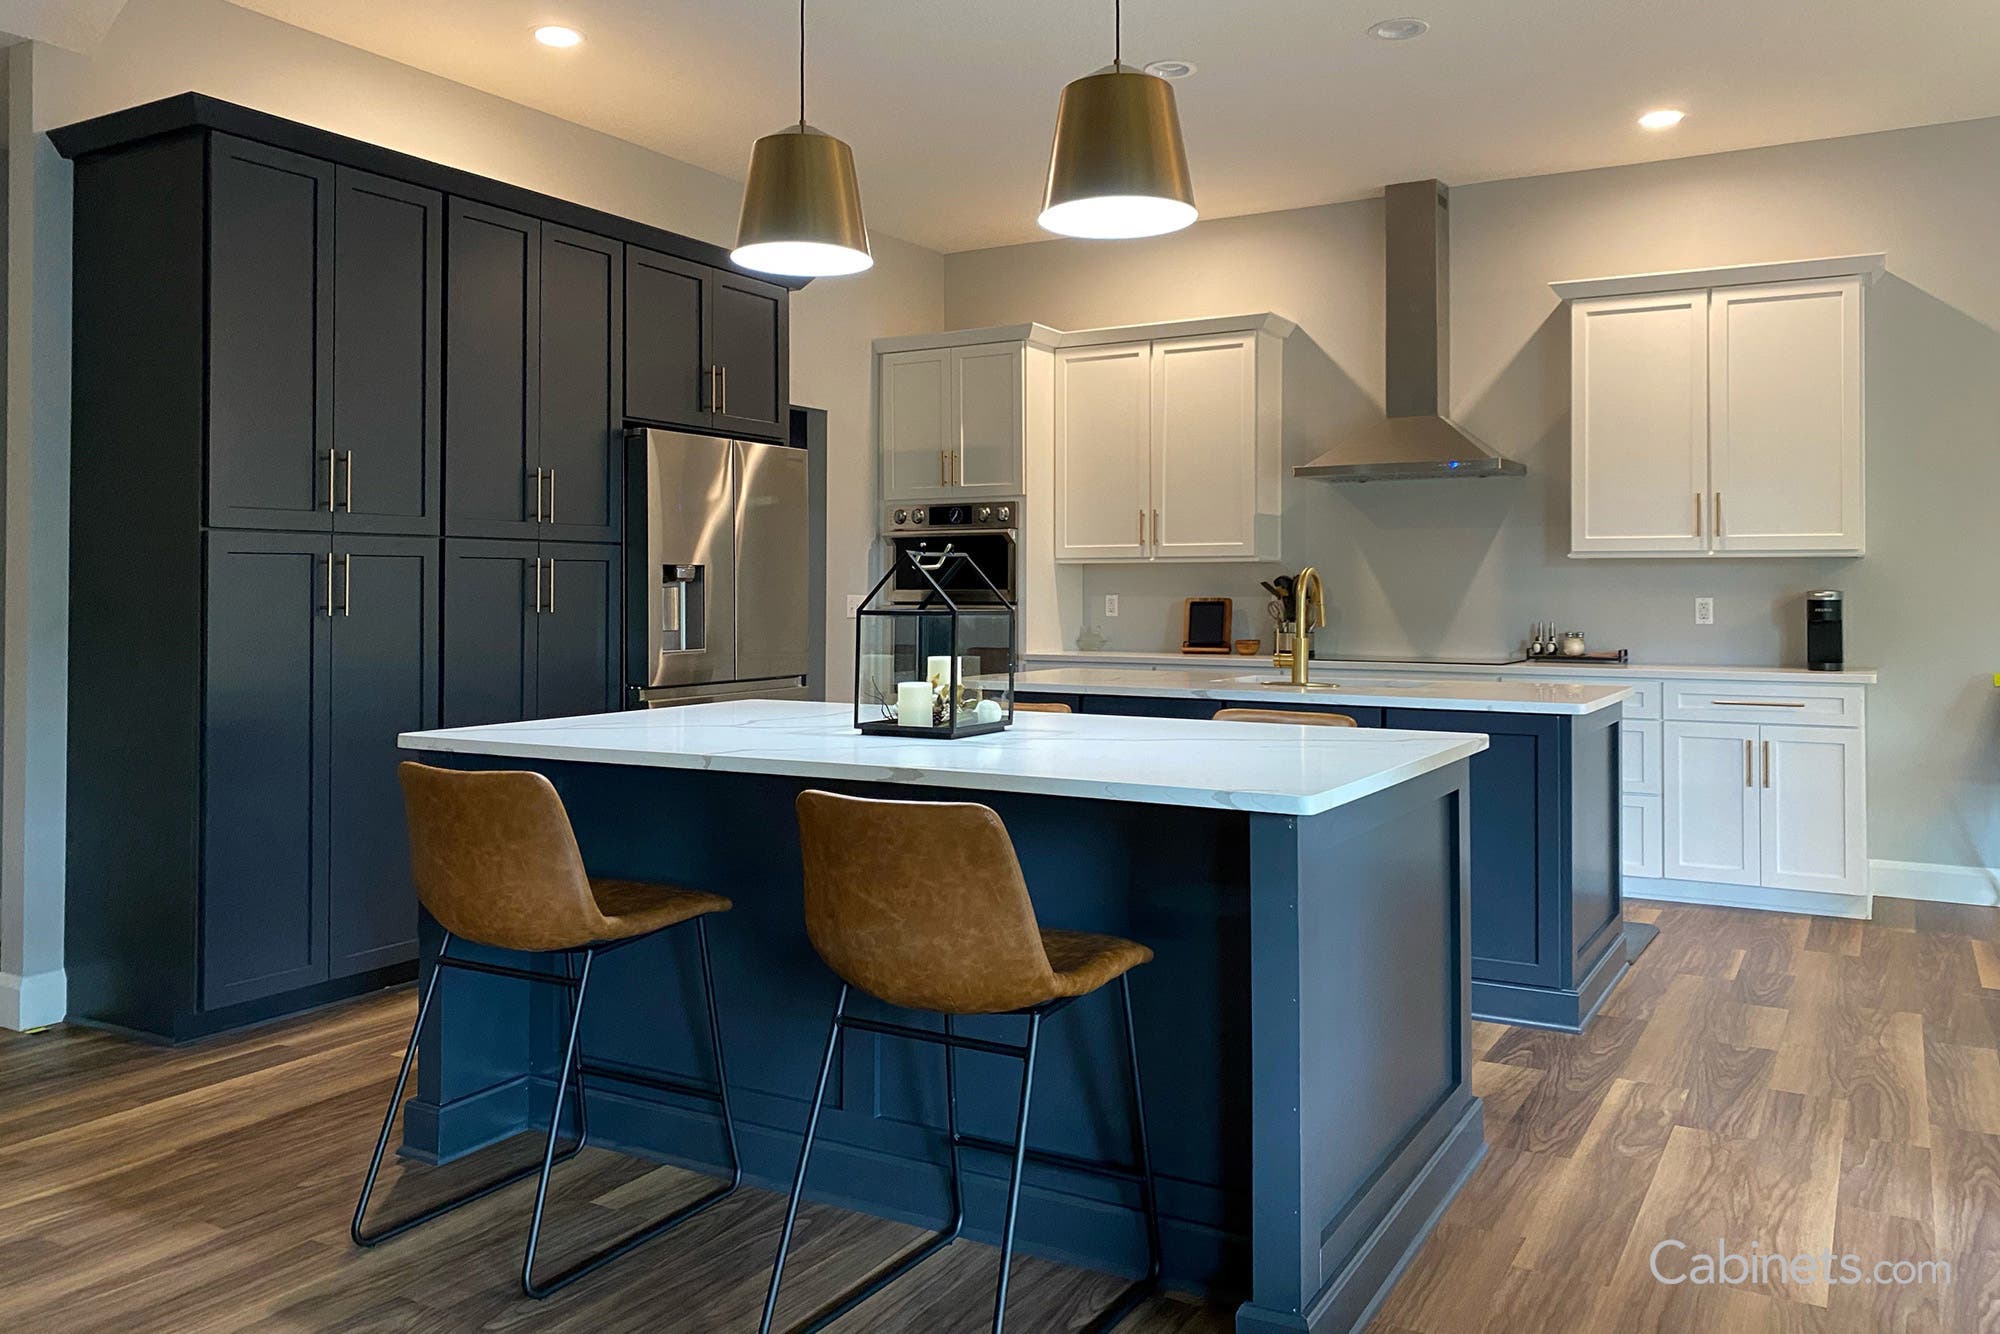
(270, 338)
(1204, 466)
(987, 393)
(749, 340)
(578, 668)
(581, 450)
(1639, 424)
(264, 727)
(1814, 809)
(492, 601)
(493, 393)
(1785, 410)
(1103, 448)
(388, 282)
(917, 420)
(1713, 811)
(667, 361)
(384, 679)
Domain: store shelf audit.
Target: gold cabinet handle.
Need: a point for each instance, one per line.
(538, 585)
(1749, 763)
(1142, 528)
(347, 584)
(552, 495)
(329, 585)
(1767, 764)
(944, 468)
(1758, 703)
(722, 374)
(1697, 514)
(347, 501)
(1718, 514)
(552, 585)
(332, 461)
(1156, 527)
(538, 495)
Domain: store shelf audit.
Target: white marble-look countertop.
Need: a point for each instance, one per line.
(1226, 686)
(1282, 770)
(1853, 676)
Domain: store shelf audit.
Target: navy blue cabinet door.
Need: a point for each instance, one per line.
(388, 282)
(384, 677)
(264, 721)
(748, 341)
(581, 447)
(493, 395)
(578, 666)
(270, 340)
(492, 592)
(1518, 894)
(666, 340)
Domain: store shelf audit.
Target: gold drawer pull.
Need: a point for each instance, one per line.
(1758, 703)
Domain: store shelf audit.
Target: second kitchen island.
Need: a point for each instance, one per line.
(1547, 912)
(1303, 1028)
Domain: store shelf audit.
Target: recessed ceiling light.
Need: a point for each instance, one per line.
(1171, 69)
(1663, 119)
(1399, 30)
(554, 34)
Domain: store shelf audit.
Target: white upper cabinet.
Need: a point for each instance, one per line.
(1713, 414)
(1103, 441)
(1784, 434)
(1639, 377)
(953, 414)
(1167, 448)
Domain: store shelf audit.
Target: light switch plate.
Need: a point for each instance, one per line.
(1704, 611)
(1110, 604)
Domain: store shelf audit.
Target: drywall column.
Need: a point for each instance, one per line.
(34, 626)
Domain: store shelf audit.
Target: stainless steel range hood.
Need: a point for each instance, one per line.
(1417, 441)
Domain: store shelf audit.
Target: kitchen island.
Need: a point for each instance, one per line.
(1304, 1027)
(1547, 910)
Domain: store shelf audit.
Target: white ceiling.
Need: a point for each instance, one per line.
(950, 104)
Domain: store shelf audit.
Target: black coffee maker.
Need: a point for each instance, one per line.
(1823, 647)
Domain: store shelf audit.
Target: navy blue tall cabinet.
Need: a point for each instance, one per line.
(347, 461)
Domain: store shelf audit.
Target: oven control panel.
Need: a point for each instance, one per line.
(991, 516)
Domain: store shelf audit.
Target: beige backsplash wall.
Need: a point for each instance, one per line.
(1463, 567)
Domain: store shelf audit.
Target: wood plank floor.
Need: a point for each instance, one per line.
(1794, 1084)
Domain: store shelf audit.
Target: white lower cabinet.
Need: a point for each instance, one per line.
(1772, 806)
(1640, 830)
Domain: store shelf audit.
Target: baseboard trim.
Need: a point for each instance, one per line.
(1934, 882)
(35, 1000)
(1748, 896)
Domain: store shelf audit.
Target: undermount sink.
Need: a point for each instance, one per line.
(1285, 683)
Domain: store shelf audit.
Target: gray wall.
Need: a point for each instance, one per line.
(1437, 568)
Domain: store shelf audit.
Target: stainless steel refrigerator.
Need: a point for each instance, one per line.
(717, 597)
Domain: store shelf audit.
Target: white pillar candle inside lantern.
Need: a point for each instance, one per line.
(938, 669)
(913, 703)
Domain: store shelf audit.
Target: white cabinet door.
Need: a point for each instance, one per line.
(917, 426)
(1813, 788)
(1103, 446)
(1712, 804)
(1204, 448)
(1785, 416)
(1639, 756)
(1639, 423)
(1639, 834)
(987, 391)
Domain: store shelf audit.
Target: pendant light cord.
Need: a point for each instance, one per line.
(802, 62)
(1117, 33)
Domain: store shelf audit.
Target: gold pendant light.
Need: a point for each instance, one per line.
(1118, 168)
(802, 204)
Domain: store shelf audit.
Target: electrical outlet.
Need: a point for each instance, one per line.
(1110, 604)
(854, 601)
(1704, 611)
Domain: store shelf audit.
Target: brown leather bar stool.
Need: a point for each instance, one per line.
(922, 905)
(496, 863)
(1298, 716)
(1041, 706)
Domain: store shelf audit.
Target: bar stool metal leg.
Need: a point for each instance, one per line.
(573, 1064)
(1149, 1199)
(355, 1230)
(1014, 1178)
(805, 1157)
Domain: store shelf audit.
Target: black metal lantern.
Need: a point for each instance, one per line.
(934, 650)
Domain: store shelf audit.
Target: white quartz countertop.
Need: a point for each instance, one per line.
(1332, 667)
(1264, 767)
(1245, 684)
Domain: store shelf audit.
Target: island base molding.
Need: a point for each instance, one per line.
(1303, 1031)
(1567, 1009)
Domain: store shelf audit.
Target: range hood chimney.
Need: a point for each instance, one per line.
(1417, 441)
